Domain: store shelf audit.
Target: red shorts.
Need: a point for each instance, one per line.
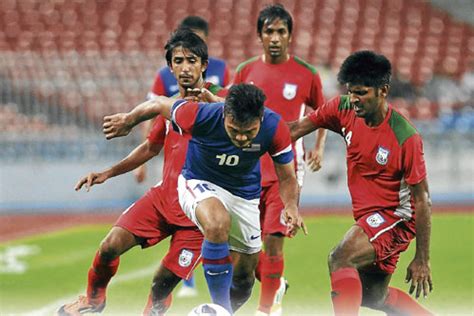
(271, 210)
(144, 220)
(390, 235)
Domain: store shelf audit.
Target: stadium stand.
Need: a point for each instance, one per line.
(79, 60)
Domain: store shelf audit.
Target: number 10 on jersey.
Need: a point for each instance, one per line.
(228, 160)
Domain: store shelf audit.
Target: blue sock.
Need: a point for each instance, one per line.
(190, 282)
(218, 272)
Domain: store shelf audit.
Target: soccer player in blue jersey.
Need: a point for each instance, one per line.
(219, 187)
(165, 84)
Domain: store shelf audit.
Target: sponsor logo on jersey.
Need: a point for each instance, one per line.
(289, 91)
(252, 147)
(382, 156)
(185, 258)
(375, 220)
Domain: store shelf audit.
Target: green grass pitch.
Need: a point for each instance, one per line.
(55, 268)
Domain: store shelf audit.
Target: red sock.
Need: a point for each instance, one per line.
(99, 277)
(401, 302)
(346, 291)
(270, 274)
(165, 305)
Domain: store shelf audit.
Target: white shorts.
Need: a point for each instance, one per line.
(245, 234)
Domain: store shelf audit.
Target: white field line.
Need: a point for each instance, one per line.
(50, 308)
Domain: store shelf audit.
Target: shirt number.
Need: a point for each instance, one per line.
(203, 187)
(231, 160)
(347, 136)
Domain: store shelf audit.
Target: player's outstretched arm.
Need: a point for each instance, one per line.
(419, 271)
(301, 128)
(121, 124)
(289, 192)
(141, 154)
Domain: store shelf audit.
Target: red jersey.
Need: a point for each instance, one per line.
(175, 147)
(381, 161)
(289, 88)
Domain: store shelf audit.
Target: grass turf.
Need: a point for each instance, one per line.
(56, 271)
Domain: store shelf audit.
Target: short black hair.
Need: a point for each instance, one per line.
(365, 68)
(195, 23)
(188, 40)
(244, 103)
(271, 13)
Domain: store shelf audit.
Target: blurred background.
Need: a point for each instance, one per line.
(64, 64)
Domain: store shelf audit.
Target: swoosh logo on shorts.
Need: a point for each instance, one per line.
(253, 237)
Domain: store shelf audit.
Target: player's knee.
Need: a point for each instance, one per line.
(110, 247)
(274, 245)
(217, 230)
(337, 259)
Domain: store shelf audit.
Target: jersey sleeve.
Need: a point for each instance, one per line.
(158, 87)
(183, 116)
(280, 149)
(327, 116)
(158, 131)
(414, 160)
(316, 97)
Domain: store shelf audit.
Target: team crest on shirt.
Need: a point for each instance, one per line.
(375, 220)
(289, 91)
(382, 156)
(185, 258)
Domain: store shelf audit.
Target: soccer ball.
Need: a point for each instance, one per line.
(209, 310)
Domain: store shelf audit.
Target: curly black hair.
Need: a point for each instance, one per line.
(365, 68)
(244, 103)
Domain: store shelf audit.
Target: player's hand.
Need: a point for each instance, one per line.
(192, 94)
(314, 159)
(419, 274)
(208, 96)
(91, 179)
(116, 125)
(294, 222)
(140, 173)
(201, 95)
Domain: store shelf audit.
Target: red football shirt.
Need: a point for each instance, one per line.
(381, 161)
(175, 147)
(289, 87)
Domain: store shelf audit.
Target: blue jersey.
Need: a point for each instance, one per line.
(165, 83)
(213, 157)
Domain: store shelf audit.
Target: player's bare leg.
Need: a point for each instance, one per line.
(378, 295)
(353, 252)
(104, 267)
(243, 279)
(216, 261)
(164, 282)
